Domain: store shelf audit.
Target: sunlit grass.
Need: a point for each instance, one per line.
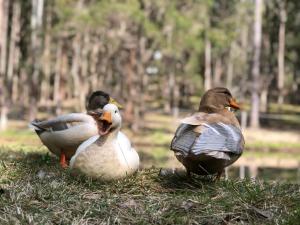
(35, 190)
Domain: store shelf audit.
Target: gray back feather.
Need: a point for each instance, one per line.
(219, 137)
(184, 138)
(214, 137)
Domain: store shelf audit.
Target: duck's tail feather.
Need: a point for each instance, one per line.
(34, 125)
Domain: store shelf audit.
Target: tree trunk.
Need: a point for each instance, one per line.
(36, 22)
(4, 7)
(229, 76)
(129, 109)
(143, 78)
(254, 121)
(57, 78)
(3, 41)
(281, 47)
(264, 100)
(175, 96)
(13, 57)
(167, 94)
(75, 66)
(207, 72)
(218, 72)
(93, 66)
(45, 86)
(84, 71)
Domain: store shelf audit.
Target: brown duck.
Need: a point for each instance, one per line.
(211, 139)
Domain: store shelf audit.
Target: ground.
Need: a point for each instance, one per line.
(35, 190)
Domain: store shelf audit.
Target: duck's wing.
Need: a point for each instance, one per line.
(219, 137)
(184, 139)
(204, 133)
(60, 123)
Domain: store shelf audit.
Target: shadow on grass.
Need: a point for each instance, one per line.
(180, 181)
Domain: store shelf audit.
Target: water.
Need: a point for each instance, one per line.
(291, 175)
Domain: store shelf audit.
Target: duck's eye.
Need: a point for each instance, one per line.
(230, 109)
(116, 111)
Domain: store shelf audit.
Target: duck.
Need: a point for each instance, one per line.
(211, 139)
(63, 134)
(106, 157)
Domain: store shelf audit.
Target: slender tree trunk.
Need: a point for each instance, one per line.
(75, 65)
(143, 78)
(4, 7)
(175, 96)
(264, 100)
(15, 81)
(218, 72)
(129, 109)
(13, 57)
(84, 71)
(244, 65)
(254, 122)
(281, 47)
(167, 93)
(57, 79)
(4, 30)
(36, 22)
(45, 86)
(229, 76)
(93, 66)
(207, 72)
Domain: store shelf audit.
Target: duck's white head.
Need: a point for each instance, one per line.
(109, 120)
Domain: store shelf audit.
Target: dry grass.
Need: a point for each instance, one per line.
(34, 190)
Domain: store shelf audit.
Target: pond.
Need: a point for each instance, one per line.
(282, 170)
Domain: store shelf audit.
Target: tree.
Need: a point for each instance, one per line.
(254, 122)
(281, 51)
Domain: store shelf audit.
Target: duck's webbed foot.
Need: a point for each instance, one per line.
(62, 160)
(219, 175)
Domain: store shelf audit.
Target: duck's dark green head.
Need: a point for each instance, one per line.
(98, 99)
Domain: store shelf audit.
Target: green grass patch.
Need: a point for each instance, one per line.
(35, 190)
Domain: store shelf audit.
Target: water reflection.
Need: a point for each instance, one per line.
(286, 170)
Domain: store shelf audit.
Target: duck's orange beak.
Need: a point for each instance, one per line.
(234, 104)
(106, 116)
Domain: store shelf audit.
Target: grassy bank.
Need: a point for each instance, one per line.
(34, 190)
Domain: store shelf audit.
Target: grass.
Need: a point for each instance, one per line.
(34, 190)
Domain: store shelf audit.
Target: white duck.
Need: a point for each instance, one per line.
(109, 155)
(62, 135)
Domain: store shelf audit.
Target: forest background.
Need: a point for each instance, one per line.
(156, 58)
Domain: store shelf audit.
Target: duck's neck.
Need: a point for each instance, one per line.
(108, 137)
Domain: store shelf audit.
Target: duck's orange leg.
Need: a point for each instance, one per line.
(62, 160)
